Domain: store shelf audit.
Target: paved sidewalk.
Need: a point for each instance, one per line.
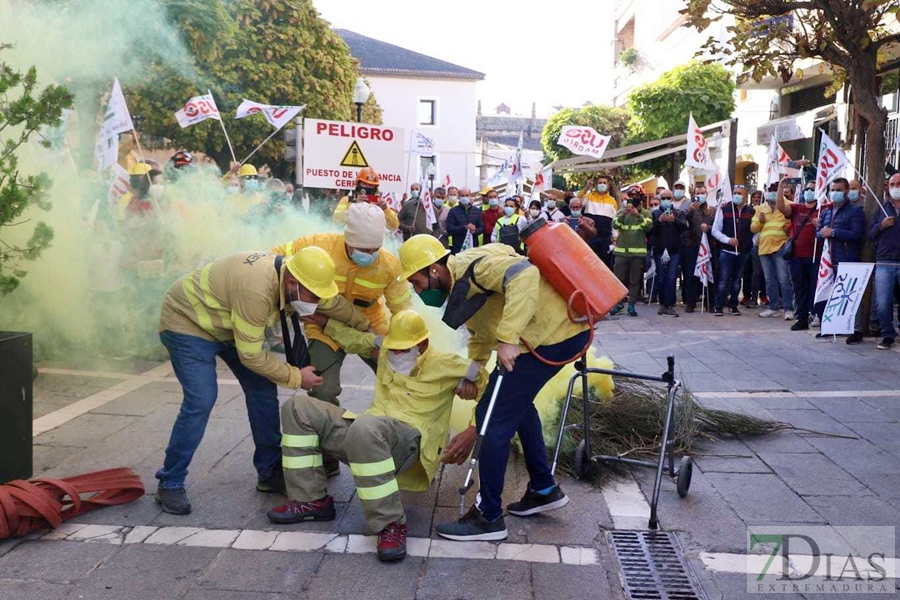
(227, 549)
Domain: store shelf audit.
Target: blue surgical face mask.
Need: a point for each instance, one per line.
(679, 194)
(438, 202)
(853, 195)
(576, 213)
(509, 210)
(493, 201)
(738, 198)
(465, 200)
(602, 187)
(701, 198)
(809, 195)
(414, 194)
(771, 196)
(836, 197)
(251, 185)
(363, 259)
(665, 204)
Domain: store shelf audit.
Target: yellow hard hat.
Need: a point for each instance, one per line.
(420, 251)
(314, 269)
(487, 190)
(247, 170)
(140, 168)
(407, 329)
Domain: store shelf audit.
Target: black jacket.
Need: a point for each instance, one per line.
(668, 235)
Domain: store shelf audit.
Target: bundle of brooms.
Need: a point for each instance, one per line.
(629, 423)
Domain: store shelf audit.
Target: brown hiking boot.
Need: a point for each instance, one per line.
(298, 512)
(392, 543)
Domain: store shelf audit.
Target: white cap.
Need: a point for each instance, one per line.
(365, 226)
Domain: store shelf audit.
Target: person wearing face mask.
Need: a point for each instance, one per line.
(462, 219)
(554, 212)
(633, 223)
(535, 211)
(732, 228)
(491, 211)
(600, 207)
(803, 216)
(367, 277)
(366, 192)
(583, 226)
(413, 219)
(772, 226)
(843, 226)
(452, 196)
(669, 226)
(854, 193)
(443, 211)
(221, 311)
(886, 235)
(513, 304)
(679, 199)
(700, 216)
(509, 226)
(396, 444)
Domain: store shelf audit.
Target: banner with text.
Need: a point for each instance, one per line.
(334, 152)
(846, 297)
(583, 140)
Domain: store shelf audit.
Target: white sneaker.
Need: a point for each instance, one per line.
(770, 313)
(788, 315)
(816, 323)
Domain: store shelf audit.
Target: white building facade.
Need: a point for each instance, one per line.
(427, 95)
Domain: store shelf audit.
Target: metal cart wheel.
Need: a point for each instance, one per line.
(582, 460)
(685, 470)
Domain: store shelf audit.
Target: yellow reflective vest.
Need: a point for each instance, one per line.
(422, 400)
(368, 288)
(524, 304)
(772, 233)
(339, 217)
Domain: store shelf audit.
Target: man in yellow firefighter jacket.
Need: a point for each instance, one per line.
(221, 310)
(397, 443)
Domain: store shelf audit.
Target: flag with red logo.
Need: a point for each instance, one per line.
(697, 148)
(277, 116)
(516, 174)
(703, 271)
(825, 280)
(832, 162)
(197, 109)
(430, 220)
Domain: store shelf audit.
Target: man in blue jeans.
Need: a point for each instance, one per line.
(222, 310)
(886, 234)
(732, 228)
(669, 227)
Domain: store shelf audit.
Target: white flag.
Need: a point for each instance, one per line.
(713, 185)
(428, 208)
(772, 163)
(825, 280)
(516, 173)
(544, 180)
(703, 271)
(277, 116)
(832, 162)
(664, 257)
(847, 291)
(116, 120)
(198, 108)
(118, 186)
(448, 180)
(391, 200)
(498, 176)
(697, 148)
(651, 272)
(421, 144)
(468, 242)
(305, 203)
(584, 141)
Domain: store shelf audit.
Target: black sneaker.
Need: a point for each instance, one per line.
(473, 527)
(661, 309)
(885, 344)
(299, 512)
(854, 339)
(669, 312)
(800, 325)
(718, 312)
(173, 500)
(690, 308)
(533, 503)
(274, 484)
(734, 312)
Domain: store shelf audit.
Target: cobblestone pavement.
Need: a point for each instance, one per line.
(121, 416)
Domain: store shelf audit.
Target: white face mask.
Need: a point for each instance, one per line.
(403, 362)
(156, 190)
(534, 212)
(304, 309)
(894, 192)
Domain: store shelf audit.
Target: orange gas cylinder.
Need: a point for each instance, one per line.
(571, 266)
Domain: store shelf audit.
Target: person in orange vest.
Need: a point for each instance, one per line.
(366, 191)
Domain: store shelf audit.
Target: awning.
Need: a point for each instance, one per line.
(794, 127)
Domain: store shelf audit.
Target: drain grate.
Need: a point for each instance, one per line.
(651, 566)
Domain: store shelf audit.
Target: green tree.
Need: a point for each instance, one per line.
(24, 110)
(280, 52)
(771, 37)
(607, 120)
(660, 109)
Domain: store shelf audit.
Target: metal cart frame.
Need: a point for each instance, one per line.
(666, 462)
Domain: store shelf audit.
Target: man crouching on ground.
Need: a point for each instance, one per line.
(396, 443)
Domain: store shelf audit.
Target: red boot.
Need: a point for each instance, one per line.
(298, 512)
(392, 543)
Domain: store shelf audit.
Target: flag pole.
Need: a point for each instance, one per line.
(874, 195)
(222, 123)
(260, 146)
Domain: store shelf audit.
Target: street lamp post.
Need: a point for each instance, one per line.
(430, 171)
(361, 94)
